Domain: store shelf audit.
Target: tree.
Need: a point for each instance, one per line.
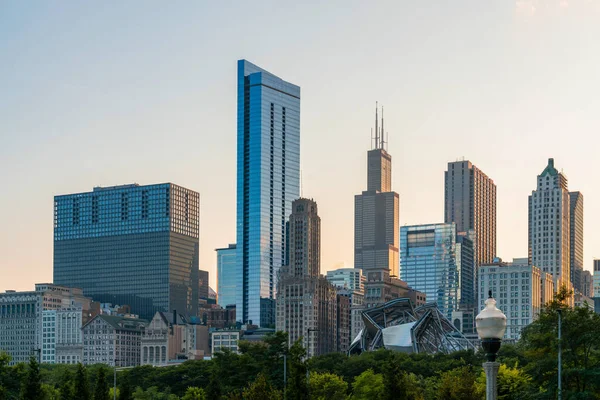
(260, 389)
(125, 390)
(32, 387)
(367, 386)
(194, 393)
(513, 384)
(101, 388)
(66, 387)
(327, 386)
(458, 384)
(297, 386)
(580, 349)
(50, 392)
(4, 361)
(82, 386)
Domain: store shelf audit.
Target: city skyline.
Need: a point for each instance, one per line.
(94, 120)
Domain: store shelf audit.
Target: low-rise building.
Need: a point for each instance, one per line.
(225, 339)
(113, 340)
(519, 289)
(62, 342)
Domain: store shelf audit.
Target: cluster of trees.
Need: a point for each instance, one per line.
(528, 371)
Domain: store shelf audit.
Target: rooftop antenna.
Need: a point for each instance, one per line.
(382, 131)
(376, 128)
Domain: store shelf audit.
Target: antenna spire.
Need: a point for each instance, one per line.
(382, 131)
(376, 127)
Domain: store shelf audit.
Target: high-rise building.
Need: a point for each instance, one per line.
(203, 288)
(576, 239)
(376, 223)
(596, 278)
(226, 275)
(549, 226)
(26, 327)
(268, 180)
(587, 283)
(130, 244)
(518, 289)
(432, 263)
(470, 202)
(306, 301)
(347, 278)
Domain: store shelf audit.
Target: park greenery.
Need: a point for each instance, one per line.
(528, 371)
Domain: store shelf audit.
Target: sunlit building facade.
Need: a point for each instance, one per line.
(268, 180)
(130, 244)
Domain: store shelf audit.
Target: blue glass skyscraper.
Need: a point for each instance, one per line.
(226, 275)
(268, 180)
(130, 244)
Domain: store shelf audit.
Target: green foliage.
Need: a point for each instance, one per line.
(513, 384)
(367, 386)
(82, 385)
(50, 392)
(152, 393)
(32, 386)
(260, 389)
(194, 393)
(101, 388)
(327, 386)
(458, 384)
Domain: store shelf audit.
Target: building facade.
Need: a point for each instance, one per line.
(112, 340)
(28, 323)
(470, 202)
(347, 278)
(203, 280)
(226, 339)
(549, 226)
(130, 244)
(520, 291)
(306, 301)
(432, 263)
(268, 180)
(576, 239)
(587, 284)
(61, 339)
(596, 278)
(376, 223)
(226, 275)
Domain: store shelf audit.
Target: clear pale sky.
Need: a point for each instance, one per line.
(106, 93)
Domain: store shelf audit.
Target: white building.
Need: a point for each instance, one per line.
(228, 339)
(25, 329)
(61, 339)
(519, 289)
(549, 226)
(111, 340)
(347, 278)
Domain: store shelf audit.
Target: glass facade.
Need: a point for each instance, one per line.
(226, 275)
(268, 180)
(428, 263)
(130, 244)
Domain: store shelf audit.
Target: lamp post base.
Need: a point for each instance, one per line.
(491, 377)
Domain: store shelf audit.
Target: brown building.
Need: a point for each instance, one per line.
(343, 322)
(306, 301)
(215, 316)
(470, 202)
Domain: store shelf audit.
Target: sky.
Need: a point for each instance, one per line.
(108, 93)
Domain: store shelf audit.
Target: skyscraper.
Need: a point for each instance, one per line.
(432, 263)
(130, 244)
(576, 239)
(306, 301)
(549, 226)
(268, 180)
(470, 202)
(226, 275)
(376, 223)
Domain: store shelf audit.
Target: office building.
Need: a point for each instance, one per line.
(306, 301)
(432, 263)
(169, 338)
(203, 288)
(587, 284)
(112, 340)
(61, 339)
(470, 202)
(519, 289)
(22, 319)
(576, 239)
(130, 244)
(347, 278)
(343, 322)
(268, 180)
(376, 222)
(356, 299)
(549, 226)
(226, 275)
(225, 339)
(596, 278)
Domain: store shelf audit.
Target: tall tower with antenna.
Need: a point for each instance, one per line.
(376, 223)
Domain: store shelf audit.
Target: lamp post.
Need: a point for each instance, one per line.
(307, 356)
(491, 325)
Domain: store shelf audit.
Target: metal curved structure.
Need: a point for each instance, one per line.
(397, 325)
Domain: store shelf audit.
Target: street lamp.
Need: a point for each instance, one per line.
(491, 325)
